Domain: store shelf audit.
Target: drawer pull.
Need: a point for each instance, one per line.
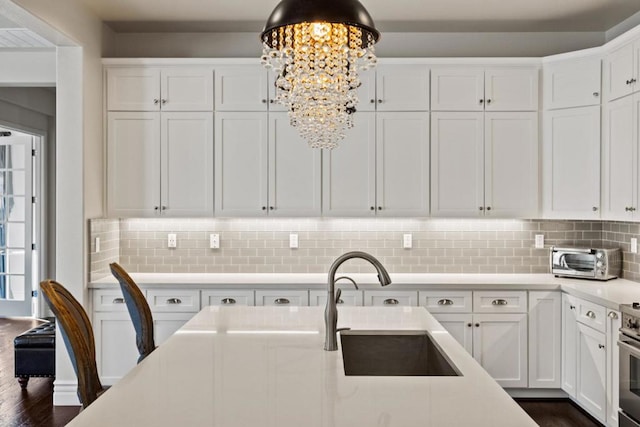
(477, 325)
(469, 325)
(572, 307)
(600, 346)
(118, 301)
(613, 315)
(499, 302)
(445, 301)
(282, 301)
(590, 314)
(391, 301)
(228, 301)
(174, 301)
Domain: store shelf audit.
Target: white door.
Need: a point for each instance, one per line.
(349, 171)
(241, 88)
(511, 89)
(511, 164)
(133, 164)
(545, 339)
(457, 89)
(500, 346)
(367, 90)
(295, 175)
(572, 83)
(571, 163)
(402, 165)
(186, 89)
(240, 164)
(618, 72)
(116, 350)
(133, 89)
(591, 386)
(619, 159)
(569, 345)
(16, 223)
(614, 323)
(187, 164)
(460, 326)
(457, 164)
(402, 87)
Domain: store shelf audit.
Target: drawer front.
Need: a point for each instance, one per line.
(446, 301)
(500, 302)
(390, 298)
(285, 298)
(351, 298)
(173, 301)
(592, 315)
(228, 298)
(109, 300)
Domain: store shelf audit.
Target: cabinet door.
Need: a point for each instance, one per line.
(500, 346)
(133, 89)
(457, 89)
(511, 89)
(614, 323)
(572, 83)
(348, 297)
(569, 345)
(295, 174)
(402, 173)
(133, 164)
(618, 71)
(390, 298)
(545, 339)
(460, 326)
(187, 164)
(511, 164)
(619, 159)
(187, 89)
(591, 386)
(571, 163)
(457, 164)
(240, 164)
(241, 88)
(367, 91)
(282, 298)
(402, 87)
(166, 324)
(349, 171)
(116, 351)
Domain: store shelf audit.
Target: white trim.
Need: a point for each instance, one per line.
(583, 53)
(65, 393)
(539, 393)
(624, 38)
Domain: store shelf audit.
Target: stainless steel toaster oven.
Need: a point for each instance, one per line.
(586, 263)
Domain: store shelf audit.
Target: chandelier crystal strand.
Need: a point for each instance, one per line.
(317, 69)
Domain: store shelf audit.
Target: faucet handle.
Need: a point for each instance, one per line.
(349, 279)
(338, 293)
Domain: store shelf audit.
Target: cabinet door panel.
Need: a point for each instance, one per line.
(402, 187)
(166, 324)
(614, 323)
(187, 164)
(618, 70)
(240, 164)
(295, 180)
(402, 87)
(349, 171)
(241, 88)
(571, 163)
(457, 164)
(133, 89)
(545, 338)
(187, 89)
(133, 164)
(569, 345)
(572, 83)
(457, 89)
(511, 164)
(591, 387)
(511, 89)
(367, 91)
(460, 326)
(116, 351)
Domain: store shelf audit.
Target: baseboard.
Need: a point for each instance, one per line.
(536, 393)
(65, 394)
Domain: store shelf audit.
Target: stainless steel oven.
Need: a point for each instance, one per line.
(629, 344)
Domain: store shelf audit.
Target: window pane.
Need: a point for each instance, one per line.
(12, 208)
(12, 288)
(12, 261)
(12, 182)
(15, 234)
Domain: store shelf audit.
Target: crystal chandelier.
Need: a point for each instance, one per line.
(316, 48)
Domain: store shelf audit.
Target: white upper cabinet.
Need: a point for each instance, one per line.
(572, 83)
(367, 91)
(620, 71)
(464, 88)
(402, 87)
(152, 89)
(571, 163)
(241, 88)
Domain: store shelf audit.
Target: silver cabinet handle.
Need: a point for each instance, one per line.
(482, 101)
(499, 302)
(481, 208)
(373, 101)
(281, 301)
(596, 94)
(372, 208)
(595, 208)
(600, 346)
(163, 208)
(613, 315)
(572, 307)
(174, 301)
(264, 101)
(164, 101)
(391, 301)
(228, 301)
(118, 301)
(156, 101)
(590, 314)
(469, 325)
(445, 301)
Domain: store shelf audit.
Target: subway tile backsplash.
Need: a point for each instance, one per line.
(262, 245)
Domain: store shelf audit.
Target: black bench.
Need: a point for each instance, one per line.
(35, 353)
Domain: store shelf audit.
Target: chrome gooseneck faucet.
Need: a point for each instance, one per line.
(331, 311)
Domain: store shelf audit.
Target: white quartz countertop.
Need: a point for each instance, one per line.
(265, 366)
(610, 294)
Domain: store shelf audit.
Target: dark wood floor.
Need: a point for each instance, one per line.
(33, 406)
(557, 413)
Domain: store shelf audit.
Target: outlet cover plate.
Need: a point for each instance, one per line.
(214, 241)
(293, 241)
(172, 240)
(407, 241)
(539, 241)
(634, 245)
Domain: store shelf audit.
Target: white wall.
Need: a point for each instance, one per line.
(28, 68)
(37, 99)
(623, 27)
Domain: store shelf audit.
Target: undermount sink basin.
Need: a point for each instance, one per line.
(393, 353)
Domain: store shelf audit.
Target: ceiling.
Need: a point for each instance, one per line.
(12, 36)
(390, 15)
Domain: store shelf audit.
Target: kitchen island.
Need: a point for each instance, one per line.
(265, 366)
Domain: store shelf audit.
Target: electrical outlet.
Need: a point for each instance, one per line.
(214, 241)
(97, 244)
(172, 240)
(293, 241)
(539, 241)
(407, 241)
(634, 245)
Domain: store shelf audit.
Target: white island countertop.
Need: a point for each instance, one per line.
(265, 366)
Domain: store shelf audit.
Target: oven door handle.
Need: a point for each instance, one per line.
(630, 346)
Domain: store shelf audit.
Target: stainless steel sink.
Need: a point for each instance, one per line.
(393, 353)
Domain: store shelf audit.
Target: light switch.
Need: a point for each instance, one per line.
(214, 241)
(407, 241)
(293, 241)
(172, 240)
(634, 245)
(539, 241)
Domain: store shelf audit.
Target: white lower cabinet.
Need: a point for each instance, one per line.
(282, 297)
(614, 323)
(545, 339)
(116, 351)
(460, 326)
(166, 324)
(348, 297)
(592, 359)
(390, 298)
